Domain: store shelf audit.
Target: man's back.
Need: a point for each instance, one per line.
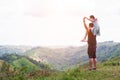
(91, 38)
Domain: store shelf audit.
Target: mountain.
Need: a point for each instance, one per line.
(58, 58)
(61, 58)
(108, 50)
(13, 49)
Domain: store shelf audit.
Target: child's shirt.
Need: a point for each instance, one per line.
(96, 28)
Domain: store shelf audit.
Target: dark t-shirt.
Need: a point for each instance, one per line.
(91, 38)
(91, 45)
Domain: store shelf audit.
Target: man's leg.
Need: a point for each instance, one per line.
(95, 62)
(90, 63)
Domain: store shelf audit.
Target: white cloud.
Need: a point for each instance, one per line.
(55, 22)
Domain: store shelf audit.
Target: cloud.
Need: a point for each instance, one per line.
(107, 7)
(44, 8)
(51, 22)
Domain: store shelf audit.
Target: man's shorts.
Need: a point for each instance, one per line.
(92, 51)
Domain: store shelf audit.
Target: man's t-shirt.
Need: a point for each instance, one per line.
(91, 38)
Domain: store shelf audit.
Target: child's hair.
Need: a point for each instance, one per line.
(92, 16)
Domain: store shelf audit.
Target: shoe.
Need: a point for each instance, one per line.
(94, 68)
(90, 69)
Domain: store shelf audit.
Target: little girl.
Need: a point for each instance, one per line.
(96, 28)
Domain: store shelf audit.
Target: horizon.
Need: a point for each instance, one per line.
(57, 46)
(56, 22)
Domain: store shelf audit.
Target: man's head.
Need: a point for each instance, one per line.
(92, 17)
(90, 25)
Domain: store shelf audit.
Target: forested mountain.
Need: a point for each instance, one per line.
(62, 58)
(18, 61)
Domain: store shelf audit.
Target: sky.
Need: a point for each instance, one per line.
(56, 22)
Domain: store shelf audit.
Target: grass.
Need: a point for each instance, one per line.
(81, 73)
(108, 70)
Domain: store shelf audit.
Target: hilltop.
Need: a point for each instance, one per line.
(107, 70)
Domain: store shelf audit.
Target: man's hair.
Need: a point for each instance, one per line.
(92, 16)
(90, 24)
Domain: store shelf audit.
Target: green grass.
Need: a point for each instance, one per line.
(102, 73)
(108, 70)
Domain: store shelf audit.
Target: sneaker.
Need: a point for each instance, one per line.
(94, 68)
(90, 69)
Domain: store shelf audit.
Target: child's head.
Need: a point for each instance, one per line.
(92, 17)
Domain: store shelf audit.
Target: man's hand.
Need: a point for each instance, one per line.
(84, 19)
(85, 24)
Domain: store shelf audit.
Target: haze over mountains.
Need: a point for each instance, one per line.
(62, 58)
(7, 49)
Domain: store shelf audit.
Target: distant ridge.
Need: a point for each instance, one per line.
(64, 57)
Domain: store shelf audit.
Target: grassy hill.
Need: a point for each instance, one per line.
(17, 61)
(107, 70)
(2, 65)
(69, 63)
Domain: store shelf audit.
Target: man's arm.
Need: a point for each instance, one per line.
(84, 39)
(91, 19)
(85, 24)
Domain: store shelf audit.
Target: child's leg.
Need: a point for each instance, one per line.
(84, 39)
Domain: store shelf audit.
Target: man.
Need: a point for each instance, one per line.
(91, 45)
